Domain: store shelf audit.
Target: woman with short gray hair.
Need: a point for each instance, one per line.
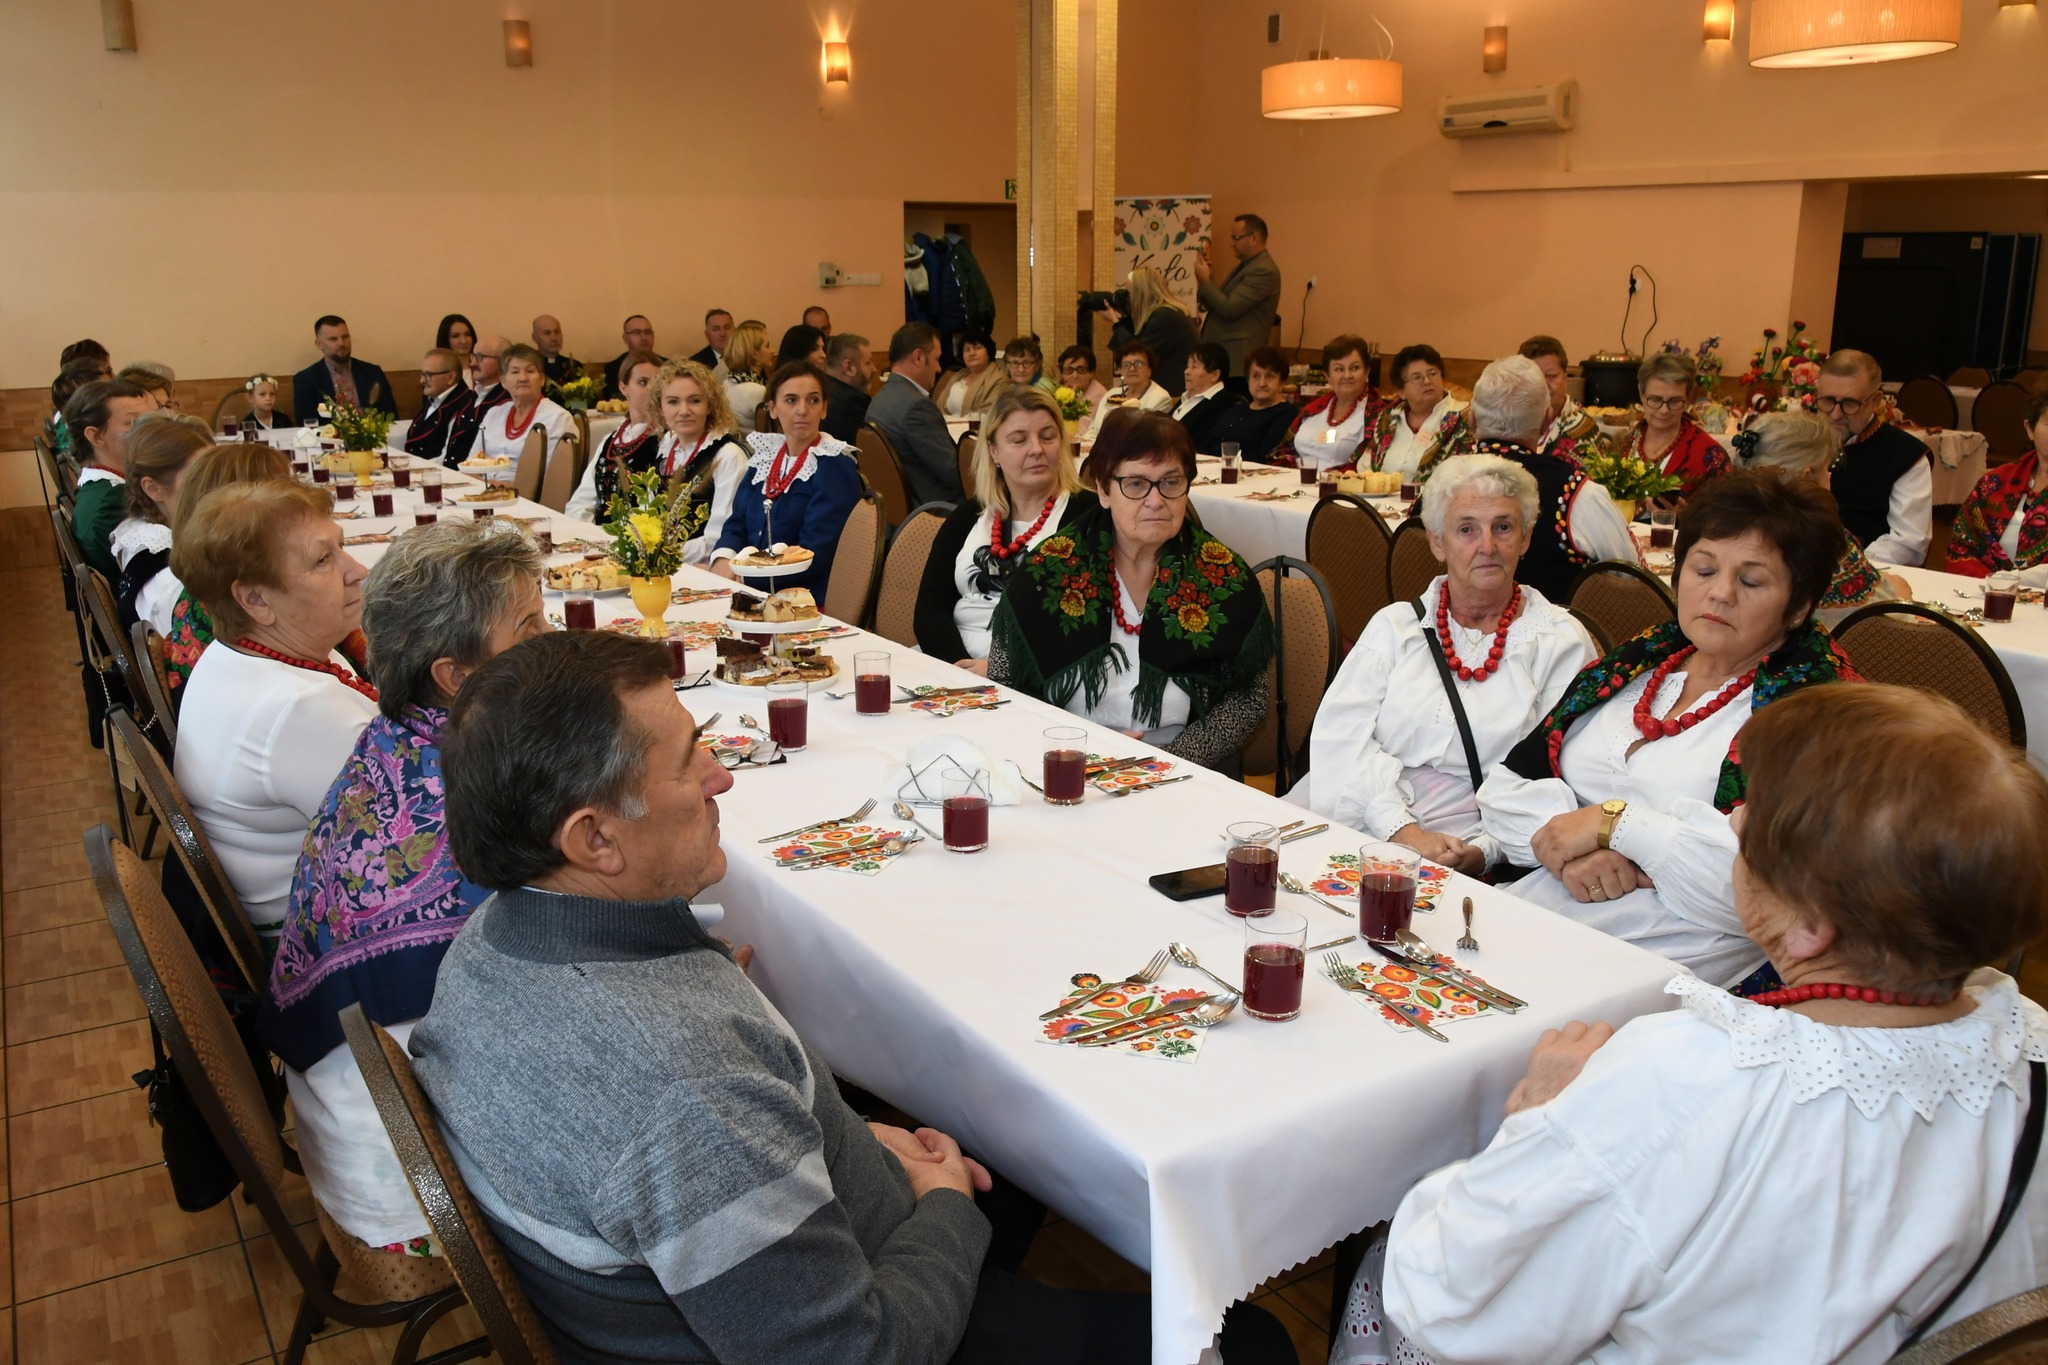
(1437, 690)
(1805, 444)
(377, 897)
(1668, 437)
(1576, 521)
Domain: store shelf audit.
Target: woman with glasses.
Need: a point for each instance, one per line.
(1135, 387)
(1426, 425)
(1667, 436)
(1136, 618)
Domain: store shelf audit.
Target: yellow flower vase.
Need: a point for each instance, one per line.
(650, 599)
(362, 463)
(1627, 508)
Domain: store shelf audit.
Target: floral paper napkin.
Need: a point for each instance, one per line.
(1275, 495)
(721, 745)
(682, 597)
(693, 634)
(927, 698)
(1421, 995)
(1136, 775)
(1181, 1044)
(810, 637)
(1340, 882)
(865, 863)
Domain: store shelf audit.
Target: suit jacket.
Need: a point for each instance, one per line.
(313, 386)
(1242, 308)
(427, 438)
(1201, 419)
(846, 408)
(707, 357)
(914, 425)
(611, 374)
(462, 428)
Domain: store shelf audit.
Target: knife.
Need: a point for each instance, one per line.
(847, 855)
(1286, 838)
(1500, 1000)
(1148, 786)
(1151, 1030)
(1094, 1030)
(844, 850)
(1422, 954)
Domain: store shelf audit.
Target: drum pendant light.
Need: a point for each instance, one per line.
(1326, 87)
(1796, 33)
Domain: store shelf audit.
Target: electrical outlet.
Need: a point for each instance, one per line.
(1311, 281)
(828, 275)
(1272, 28)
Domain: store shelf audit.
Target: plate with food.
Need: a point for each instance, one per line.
(504, 494)
(747, 668)
(776, 561)
(599, 576)
(791, 609)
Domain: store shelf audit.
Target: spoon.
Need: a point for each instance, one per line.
(1185, 956)
(903, 812)
(1290, 882)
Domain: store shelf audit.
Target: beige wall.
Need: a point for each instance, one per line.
(1686, 160)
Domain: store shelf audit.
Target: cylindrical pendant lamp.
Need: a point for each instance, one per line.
(1330, 87)
(1793, 33)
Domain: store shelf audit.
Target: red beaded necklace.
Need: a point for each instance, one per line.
(346, 678)
(1467, 672)
(1654, 728)
(513, 433)
(678, 460)
(778, 482)
(1831, 990)
(1001, 550)
(1116, 602)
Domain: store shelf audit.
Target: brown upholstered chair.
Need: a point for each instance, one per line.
(1411, 564)
(107, 655)
(1602, 641)
(2012, 1332)
(1305, 658)
(857, 564)
(1348, 544)
(764, 419)
(212, 1061)
(1970, 377)
(531, 464)
(1624, 598)
(559, 483)
(2000, 414)
(1927, 401)
(883, 469)
(466, 1240)
(969, 444)
(57, 484)
(235, 401)
(910, 545)
(1906, 644)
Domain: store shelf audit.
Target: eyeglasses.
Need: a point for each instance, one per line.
(1664, 404)
(435, 374)
(1137, 487)
(1848, 407)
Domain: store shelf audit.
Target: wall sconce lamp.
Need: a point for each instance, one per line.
(1494, 52)
(1719, 25)
(838, 64)
(2015, 4)
(117, 21)
(518, 43)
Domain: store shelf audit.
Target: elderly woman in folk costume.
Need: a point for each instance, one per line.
(1331, 430)
(1668, 438)
(2003, 524)
(1568, 428)
(1427, 425)
(1804, 444)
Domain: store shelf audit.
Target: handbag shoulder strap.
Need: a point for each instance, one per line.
(2015, 1187)
(1443, 669)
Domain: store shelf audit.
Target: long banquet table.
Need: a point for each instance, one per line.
(1246, 517)
(923, 984)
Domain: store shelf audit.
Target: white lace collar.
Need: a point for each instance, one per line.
(763, 445)
(1966, 1059)
(93, 473)
(135, 536)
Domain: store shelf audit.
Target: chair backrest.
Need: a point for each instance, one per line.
(1970, 377)
(1905, 644)
(69, 562)
(1304, 660)
(57, 482)
(1602, 641)
(883, 470)
(764, 418)
(1348, 543)
(2010, 1332)
(857, 564)
(202, 864)
(1411, 564)
(111, 645)
(1926, 400)
(559, 482)
(2000, 414)
(532, 462)
(156, 682)
(236, 401)
(970, 442)
(1624, 598)
(910, 545)
(466, 1240)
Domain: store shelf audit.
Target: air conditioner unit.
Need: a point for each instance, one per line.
(1540, 109)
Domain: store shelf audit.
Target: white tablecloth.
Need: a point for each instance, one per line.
(1259, 530)
(923, 985)
(2021, 644)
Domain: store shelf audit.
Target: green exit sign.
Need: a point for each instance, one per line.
(1009, 189)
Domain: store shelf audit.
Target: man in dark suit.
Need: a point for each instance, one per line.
(638, 334)
(718, 326)
(1241, 310)
(489, 393)
(816, 316)
(444, 400)
(1205, 399)
(913, 423)
(849, 370)
(337, 371)
(547, 339)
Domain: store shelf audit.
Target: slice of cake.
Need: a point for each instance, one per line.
(790, 604)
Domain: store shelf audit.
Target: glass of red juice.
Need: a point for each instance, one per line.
(480, 514)
(1309, 473)
(964, 807)
(1326, 485)
(1230, 464)
(380, 502)
(345, 489)
(321, 473)
(1275, 957)
(1387, 877)
(1410, 489)
(430, 485)
(1663, 527)
(1066, 765)
(401, 471)
(425, 518)
(789, 715)
(871, 683)
(1251, 869)
(2001, 594)
(676, 650)
(579, 612)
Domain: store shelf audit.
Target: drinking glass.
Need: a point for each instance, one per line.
(1663, 527)
(1309, 473)
(579, 611)
(380, 502)
(344, 488)
(1275, 958)
(481, 514)
(321, 473)
(2001, 593)
(676, 650)
(1326, 485)
(1387, 877)
(1066, 765)
(1411, 491)
(230, 430)
(430, 484)
(789, 715)
(1230, 450)
(1251, 868)
(871, 683)
(424, 518)
(964, 806)
(1232, 462)
(401, 470)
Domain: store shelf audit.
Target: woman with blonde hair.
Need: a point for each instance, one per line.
(1024, 482)
(1804, 444)
(749, 360)
(160, 446)
(1157, 321)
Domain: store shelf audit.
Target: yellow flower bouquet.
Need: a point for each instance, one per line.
(649, 525)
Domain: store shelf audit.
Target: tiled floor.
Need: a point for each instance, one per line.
(97, 1263)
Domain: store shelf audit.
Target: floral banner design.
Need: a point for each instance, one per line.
(1165, 234)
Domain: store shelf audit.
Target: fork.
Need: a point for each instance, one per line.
(1346, 977)
(1144, 976)
(854, 818)
(1467, 943)
(1290, 882)
(1202, 1016)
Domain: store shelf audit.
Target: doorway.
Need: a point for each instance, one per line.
(989, 231)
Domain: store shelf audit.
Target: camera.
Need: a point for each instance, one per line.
(1094, 300)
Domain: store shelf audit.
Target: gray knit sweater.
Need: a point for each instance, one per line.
(673, 1174)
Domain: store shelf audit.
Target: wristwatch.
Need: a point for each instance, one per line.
(1610, 811)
